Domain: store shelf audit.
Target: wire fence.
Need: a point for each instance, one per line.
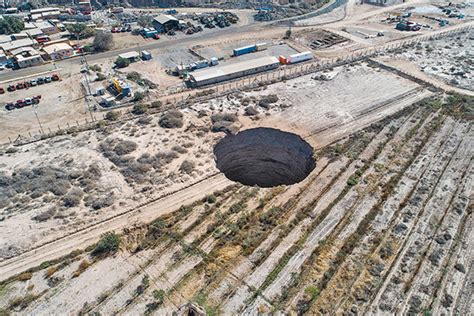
(184, 95)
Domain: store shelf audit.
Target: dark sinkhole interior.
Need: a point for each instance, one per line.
(265, 157)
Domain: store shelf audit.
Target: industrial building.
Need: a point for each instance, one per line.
(233, 71)
(163, 23)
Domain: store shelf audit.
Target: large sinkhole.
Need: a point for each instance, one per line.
(265, 157)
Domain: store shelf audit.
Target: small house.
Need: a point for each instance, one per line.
(58, 51)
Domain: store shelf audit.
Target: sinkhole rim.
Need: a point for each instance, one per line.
(264, 157)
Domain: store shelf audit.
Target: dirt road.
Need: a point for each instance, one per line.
(88, 236)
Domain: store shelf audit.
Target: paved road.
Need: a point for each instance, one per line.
(194, 39)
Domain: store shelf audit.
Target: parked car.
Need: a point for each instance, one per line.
(20, 85)
(47, 79)
(11, 88)
(19, 104)
(10, 106)
(2, 91)
(55, 77)
(28, 101)
(156, 36)
(40, 80)
(33, 82)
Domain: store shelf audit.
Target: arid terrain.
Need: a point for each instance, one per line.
(129, 213)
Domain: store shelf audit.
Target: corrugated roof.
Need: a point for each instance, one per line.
(26, 49)
(16, 44)
(41, 10)
(214, 72)
(163, 18)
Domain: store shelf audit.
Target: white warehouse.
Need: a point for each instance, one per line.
(235, 70)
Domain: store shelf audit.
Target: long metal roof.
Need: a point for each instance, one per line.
(215, 72)
(163, 18)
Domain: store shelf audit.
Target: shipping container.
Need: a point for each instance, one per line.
(282, 60)
(150, 34)
(245, 50)
(297, 58)
(213, 61)
(262, 46)
(146, 55)
(201, 64)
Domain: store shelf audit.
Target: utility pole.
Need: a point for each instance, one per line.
(37, 118)
(88, 93)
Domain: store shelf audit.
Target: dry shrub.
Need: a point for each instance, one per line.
(50, 272)
(125, 147)
(73, 198)
(266, 100)
(25, 276)
(171, 119)
(44, 216)
(187, 166)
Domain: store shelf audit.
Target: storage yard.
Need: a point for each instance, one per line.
(325, 171)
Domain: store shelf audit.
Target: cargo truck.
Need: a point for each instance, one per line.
(245, 50)
(300, 57)
(262, 46)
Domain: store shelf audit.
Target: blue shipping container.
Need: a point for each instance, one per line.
(150, 34)
(245, 50)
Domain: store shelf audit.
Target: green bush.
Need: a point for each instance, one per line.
(353, 180)
(112, 115)
(138, 96)
(122, 62)
(139, 109)
(312, 291)
(100, 77)
(134, 76)
(108, 244)
(156, 104)
(11, 25)
(211, 199)
(159, 296)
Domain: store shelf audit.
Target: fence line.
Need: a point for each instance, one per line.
(247, 83)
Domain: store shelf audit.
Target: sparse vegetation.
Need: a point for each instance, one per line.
(122, 62)
(108, 244)
(139, 109)
(103, 41)
(112, 115)
(266, 101)
(187, 166)
(171, 119)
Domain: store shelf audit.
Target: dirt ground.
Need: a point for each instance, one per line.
(448, 59)
(381, 225)
(394, 194)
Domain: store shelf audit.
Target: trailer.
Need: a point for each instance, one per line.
(262, 46)
(297, 58)
(245, 50)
